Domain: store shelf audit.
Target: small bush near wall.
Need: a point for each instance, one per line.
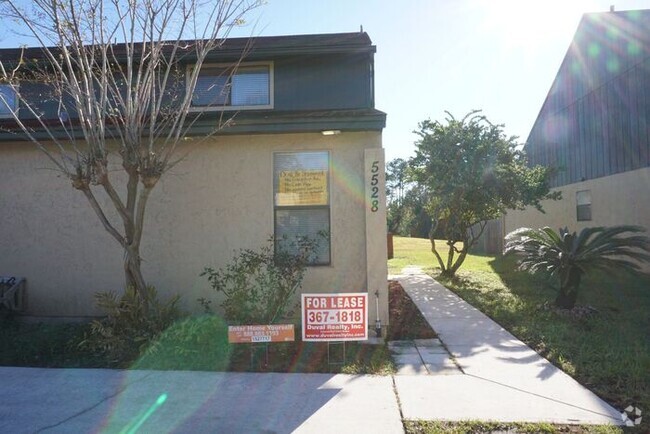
(131, 324)
(198, 343)
(259, 286)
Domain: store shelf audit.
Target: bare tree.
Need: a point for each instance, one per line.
(118, 73)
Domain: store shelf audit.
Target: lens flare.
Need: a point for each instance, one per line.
(133, 427)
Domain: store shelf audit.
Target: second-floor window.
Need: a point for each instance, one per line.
(8, 101)
(250, 86)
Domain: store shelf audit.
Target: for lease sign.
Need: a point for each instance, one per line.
(335, 317)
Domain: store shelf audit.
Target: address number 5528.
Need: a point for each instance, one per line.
(374, 186)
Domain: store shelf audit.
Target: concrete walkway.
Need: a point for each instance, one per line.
(422, 357)
(504, 380)
(110, 401)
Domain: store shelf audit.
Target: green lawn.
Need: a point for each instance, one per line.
(608, 351)
(417, 251)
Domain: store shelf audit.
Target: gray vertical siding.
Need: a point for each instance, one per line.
(594, 121)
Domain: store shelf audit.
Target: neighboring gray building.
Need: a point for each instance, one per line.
(594, 126)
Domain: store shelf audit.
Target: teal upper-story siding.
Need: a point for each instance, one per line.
(330, 74)
(336, 81)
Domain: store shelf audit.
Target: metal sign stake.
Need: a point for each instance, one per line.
(253, 351)
(329, 358)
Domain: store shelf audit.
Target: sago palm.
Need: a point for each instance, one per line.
(569, 255)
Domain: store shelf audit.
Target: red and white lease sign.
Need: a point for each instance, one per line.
(335, 317)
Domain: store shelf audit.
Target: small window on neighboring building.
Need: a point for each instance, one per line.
(8, 101)
(248, 87)
(583, 201)
(302, 201)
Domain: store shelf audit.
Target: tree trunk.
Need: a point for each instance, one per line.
(459, 261)
(447, 273)
(134, 229)
(450, 257)
(432, 238)
(568, 294)
(133, 272)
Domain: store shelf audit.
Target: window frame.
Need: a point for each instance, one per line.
(16, 106)
(223, 107)
(327, 207)
(584, 206)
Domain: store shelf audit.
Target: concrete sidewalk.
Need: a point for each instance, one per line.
(422, 357)
(504, 380)
(98, 400)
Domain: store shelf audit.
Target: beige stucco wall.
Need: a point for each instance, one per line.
(615, 200)
(216, 201)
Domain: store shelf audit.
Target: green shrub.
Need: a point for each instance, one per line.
(569, 255)
(259, 285)
(132, 322)
(194, 343)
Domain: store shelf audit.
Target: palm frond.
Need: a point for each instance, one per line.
(609, 239)
(593, 248)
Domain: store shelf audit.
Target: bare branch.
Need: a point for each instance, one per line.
(102, 217)
(118, 79)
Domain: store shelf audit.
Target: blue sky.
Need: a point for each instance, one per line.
(500, 56)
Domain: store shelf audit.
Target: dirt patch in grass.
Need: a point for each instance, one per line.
(406, 320)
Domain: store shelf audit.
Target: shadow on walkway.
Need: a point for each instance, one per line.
(498, 366)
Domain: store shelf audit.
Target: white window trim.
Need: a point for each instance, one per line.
(16, 107)
(215, 108)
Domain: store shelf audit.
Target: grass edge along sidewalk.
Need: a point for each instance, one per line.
(604, 343)
(480, 427)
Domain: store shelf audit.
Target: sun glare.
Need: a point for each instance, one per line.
(527, 24)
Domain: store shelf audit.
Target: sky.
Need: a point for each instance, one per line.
(498, 56)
